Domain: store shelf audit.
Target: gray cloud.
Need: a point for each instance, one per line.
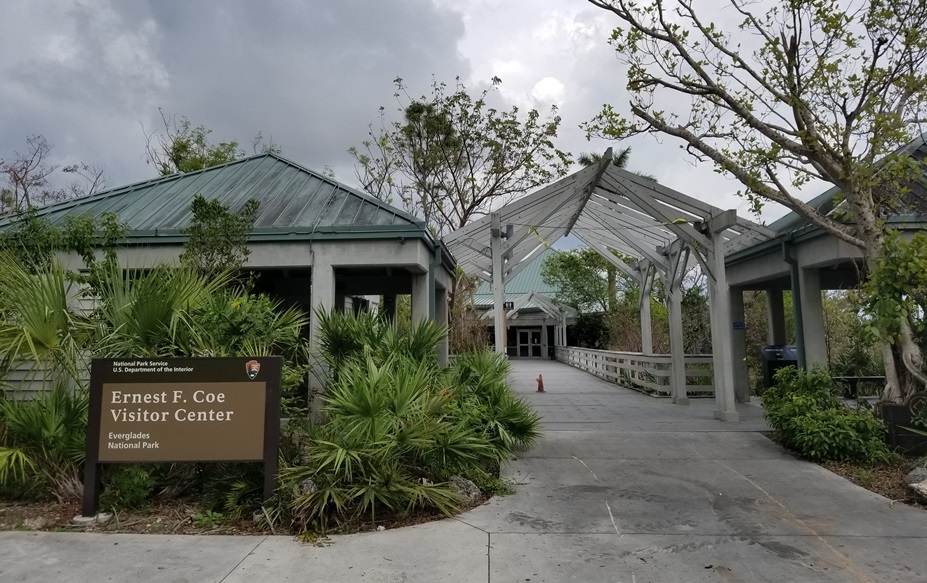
(311, 75)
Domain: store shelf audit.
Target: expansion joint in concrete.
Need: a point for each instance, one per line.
(245, 558)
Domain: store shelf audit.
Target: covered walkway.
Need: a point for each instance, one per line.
(621, 489)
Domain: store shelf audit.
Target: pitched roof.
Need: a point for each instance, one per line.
(910, 212)
(913, 202)
(605, 207)
(294, 201)
(528, 280)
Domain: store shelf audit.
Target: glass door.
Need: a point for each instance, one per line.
(524, 346)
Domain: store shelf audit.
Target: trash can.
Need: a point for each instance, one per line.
(776, 357)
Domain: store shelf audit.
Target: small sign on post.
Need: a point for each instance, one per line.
(508, 306)
(150, 410)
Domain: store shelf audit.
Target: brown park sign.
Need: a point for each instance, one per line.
(146, 410)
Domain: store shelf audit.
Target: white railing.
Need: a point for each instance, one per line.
(649, 374)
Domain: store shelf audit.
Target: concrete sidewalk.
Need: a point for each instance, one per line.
(624, 488)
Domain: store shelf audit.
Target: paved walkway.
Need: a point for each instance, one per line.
(624, 488)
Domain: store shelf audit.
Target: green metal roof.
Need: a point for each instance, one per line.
(296, 203)
(913, 202)
(528, 280)
(910, 214)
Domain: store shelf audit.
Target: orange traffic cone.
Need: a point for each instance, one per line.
(540, 383)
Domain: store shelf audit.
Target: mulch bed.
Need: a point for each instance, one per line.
(887, 479)
(174, 517)
(169, 517)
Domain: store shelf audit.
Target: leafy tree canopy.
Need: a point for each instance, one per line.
(217, 237)
(796, 92)
(450, 155)
(580, 277)
(31, 240)
(182, 147)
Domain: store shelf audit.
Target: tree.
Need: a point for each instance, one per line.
(809, 91)
(31, 179)
(579, 278)
(451, 156)
(217, 237)
(183, 147)
(619, 160)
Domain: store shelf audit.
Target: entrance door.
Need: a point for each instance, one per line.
(524, 343)
(535, 344)
(529, 343)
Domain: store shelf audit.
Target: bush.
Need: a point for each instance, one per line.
(809, 419)
(43, 441)
(126, 486)
(397, 427)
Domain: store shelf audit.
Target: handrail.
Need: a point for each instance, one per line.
(650, 374)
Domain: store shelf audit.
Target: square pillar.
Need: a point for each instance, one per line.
(421, 299)
(739, 347)
(544, 341)
(812, 309)
(498, 282)
(563, 329)
(322, 299)
(719, 305)
(677, 347)
(441, 319)
(646, 323)
(775, 316)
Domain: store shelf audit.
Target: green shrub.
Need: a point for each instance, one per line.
(207, 519)
(809, 419)
(43, 442)
(235, 490)
(489, 406)
(397, 427)
(385, 429)
(126, 486)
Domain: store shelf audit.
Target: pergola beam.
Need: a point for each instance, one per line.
(610, 209)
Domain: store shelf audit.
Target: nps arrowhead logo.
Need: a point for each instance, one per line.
(252, 367)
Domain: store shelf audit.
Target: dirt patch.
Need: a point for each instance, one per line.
(175, 517)
(886, 479)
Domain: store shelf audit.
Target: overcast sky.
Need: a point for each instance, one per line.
(90, 75)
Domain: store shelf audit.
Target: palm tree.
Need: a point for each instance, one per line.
(620, 159)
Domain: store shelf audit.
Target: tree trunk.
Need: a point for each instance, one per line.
(901, 355)
(612, 289)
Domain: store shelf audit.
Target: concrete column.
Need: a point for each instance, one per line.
(498, 282)
(719, 304)
(421, 299)
(563, 329)
(739, 347)
(544, 340)
(322, 298)
(677, 347)
(775, 315)
(441, 319)
(812, 309)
